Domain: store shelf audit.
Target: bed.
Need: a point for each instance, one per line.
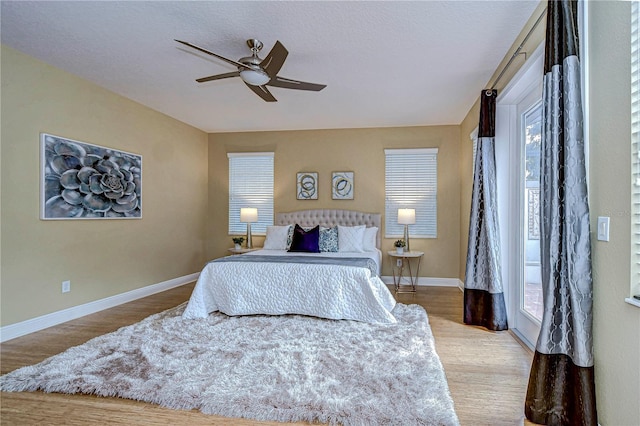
(337, 279)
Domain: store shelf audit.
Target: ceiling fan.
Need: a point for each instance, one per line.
(258, 73)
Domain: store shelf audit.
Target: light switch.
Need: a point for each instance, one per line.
(603, 228)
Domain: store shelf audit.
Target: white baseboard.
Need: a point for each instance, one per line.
(429, 281)
(12, 331)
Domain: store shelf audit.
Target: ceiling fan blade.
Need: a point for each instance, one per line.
(274, 60)
(263, 92)
(287, 83)
(231, 61)
(218, 76)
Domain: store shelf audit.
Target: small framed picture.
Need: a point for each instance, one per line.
(307, 186)
(342, 186)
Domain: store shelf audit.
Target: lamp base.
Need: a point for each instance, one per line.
(249, 244)
(406, 238)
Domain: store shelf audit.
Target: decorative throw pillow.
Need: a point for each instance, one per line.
(369, 240)
(350, 238)
(329, 240)
(290, 237)
(305, 241)
(277, 237)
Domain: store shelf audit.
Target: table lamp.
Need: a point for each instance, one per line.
(248, 215)
(406, 217)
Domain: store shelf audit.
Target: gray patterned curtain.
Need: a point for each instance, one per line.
(483, 296)
(561, 384)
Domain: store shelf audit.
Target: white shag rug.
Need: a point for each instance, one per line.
(278, 368)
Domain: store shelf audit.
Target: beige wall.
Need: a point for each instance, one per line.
(466, 181)
(357, 150)
(101, 257)
(616, 323)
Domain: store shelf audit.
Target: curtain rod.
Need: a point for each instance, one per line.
(517, 52)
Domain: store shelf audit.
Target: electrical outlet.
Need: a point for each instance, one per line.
(399, 263)
(66, 286)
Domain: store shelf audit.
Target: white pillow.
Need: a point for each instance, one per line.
(350, 238)
(277, 238)
(369, 240)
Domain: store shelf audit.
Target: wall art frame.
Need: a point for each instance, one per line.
(342, 185)
(307, 186)
(79, 180)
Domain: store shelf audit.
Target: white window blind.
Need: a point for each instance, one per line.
(635, 148)
(474, 139)
(250, 185)
(411, 182)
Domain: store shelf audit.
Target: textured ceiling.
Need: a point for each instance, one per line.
(384, 63)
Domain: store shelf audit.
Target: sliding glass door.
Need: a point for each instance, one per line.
(531, 291)
(528, 297)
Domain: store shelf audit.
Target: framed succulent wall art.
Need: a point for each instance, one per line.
(84, 181)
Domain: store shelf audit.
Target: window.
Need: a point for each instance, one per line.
(250, 185)
(411, 181)
(635, 148)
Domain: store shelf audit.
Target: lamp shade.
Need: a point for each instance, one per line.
(248, 214)
(406, 216)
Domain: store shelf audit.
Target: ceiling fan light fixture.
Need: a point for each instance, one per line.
(254, 77)
(256, 73)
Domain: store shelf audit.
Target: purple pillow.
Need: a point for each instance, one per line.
(306, 241)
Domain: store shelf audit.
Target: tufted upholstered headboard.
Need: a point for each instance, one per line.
(332, 217)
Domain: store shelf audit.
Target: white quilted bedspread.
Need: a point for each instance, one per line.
(326, 291)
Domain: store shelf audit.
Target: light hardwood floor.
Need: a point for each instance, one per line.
(487, 371)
